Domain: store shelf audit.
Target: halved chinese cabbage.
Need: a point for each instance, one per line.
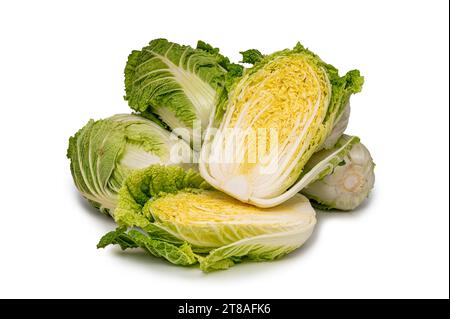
(179, 214)
(277, 115)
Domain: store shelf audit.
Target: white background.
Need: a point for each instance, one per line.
(61, 63)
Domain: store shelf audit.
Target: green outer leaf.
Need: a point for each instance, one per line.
(251, 56)
(178, 255)
(233, 69)
(117, 237)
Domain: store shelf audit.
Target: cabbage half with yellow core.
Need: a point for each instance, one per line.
(277, 115)
(182, 219)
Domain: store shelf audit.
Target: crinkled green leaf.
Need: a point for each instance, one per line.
(251, 56)
(117, 237)
(179, 255)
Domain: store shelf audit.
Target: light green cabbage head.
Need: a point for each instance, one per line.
(277, 115)
(103, 153)
(182, 219)
(179, 84)
(349, 183)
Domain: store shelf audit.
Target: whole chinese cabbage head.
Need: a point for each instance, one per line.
(178, 84)
(276, 116)
(349, 183)
(182, 219)
(103, 153)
